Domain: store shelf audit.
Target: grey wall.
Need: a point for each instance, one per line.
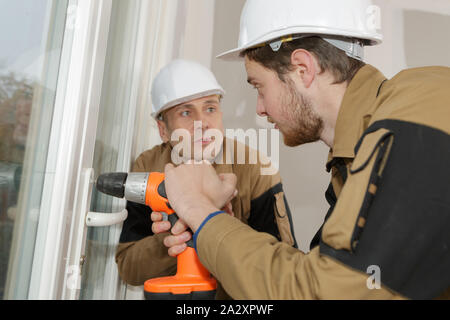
(416, 34)
(426, 38)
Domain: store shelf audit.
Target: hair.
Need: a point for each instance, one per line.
(342, 67)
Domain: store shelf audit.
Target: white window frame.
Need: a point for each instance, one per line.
(71, 140)
(61, 231)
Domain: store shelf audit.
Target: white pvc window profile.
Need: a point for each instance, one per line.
(75, 119)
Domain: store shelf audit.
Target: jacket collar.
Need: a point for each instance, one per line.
(356, 110)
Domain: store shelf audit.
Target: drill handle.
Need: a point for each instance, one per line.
(172, 218)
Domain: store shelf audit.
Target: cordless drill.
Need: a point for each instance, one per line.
(192, 281)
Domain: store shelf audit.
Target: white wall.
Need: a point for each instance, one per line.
(416, 33)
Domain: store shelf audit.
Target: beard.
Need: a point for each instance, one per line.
(302, 124)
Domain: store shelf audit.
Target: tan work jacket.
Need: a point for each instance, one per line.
(260, 203)
(387, 233)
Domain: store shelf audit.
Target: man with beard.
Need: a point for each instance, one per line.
(184, 93)
(386, 232)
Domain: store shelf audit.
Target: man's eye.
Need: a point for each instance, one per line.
(211, 109)
(185, 113)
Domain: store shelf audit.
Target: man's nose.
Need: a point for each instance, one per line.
(260, 109)
(204, 121)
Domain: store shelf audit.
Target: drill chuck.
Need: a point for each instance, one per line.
(112, 184)
(131, 186)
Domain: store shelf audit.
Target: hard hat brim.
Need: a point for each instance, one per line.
(234, 54)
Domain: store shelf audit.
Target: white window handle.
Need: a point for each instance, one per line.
(100, 219)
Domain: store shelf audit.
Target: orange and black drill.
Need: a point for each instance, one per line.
(192, 281)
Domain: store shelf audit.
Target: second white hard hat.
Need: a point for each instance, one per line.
(264, 21)
(181, 81)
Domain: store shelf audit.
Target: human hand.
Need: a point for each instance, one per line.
(176, 242)
(195, 190)
(228, 208)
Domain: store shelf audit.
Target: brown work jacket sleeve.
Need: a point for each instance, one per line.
(253, 265)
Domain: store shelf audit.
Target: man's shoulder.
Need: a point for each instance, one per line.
(153, 159)
(417, 73)
(418, 95)
(423, 79)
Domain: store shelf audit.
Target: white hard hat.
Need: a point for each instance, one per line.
(182, 81)
(264, 21)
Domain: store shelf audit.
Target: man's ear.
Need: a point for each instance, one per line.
(305, 66)
(163, 131)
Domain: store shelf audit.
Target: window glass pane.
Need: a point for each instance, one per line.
(31, 40)
(99, 271)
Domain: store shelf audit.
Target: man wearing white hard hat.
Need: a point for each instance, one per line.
(386, 234)
(184, 92)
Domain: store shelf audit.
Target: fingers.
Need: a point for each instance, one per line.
(174, 240)
(158, 225)
(229, 180)
(228, 208)
(176, 250)
(156, 216)
(222, 176)
(195, 185)
(235, 193)
(161, 227)
(177, 243)
(179, 227)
